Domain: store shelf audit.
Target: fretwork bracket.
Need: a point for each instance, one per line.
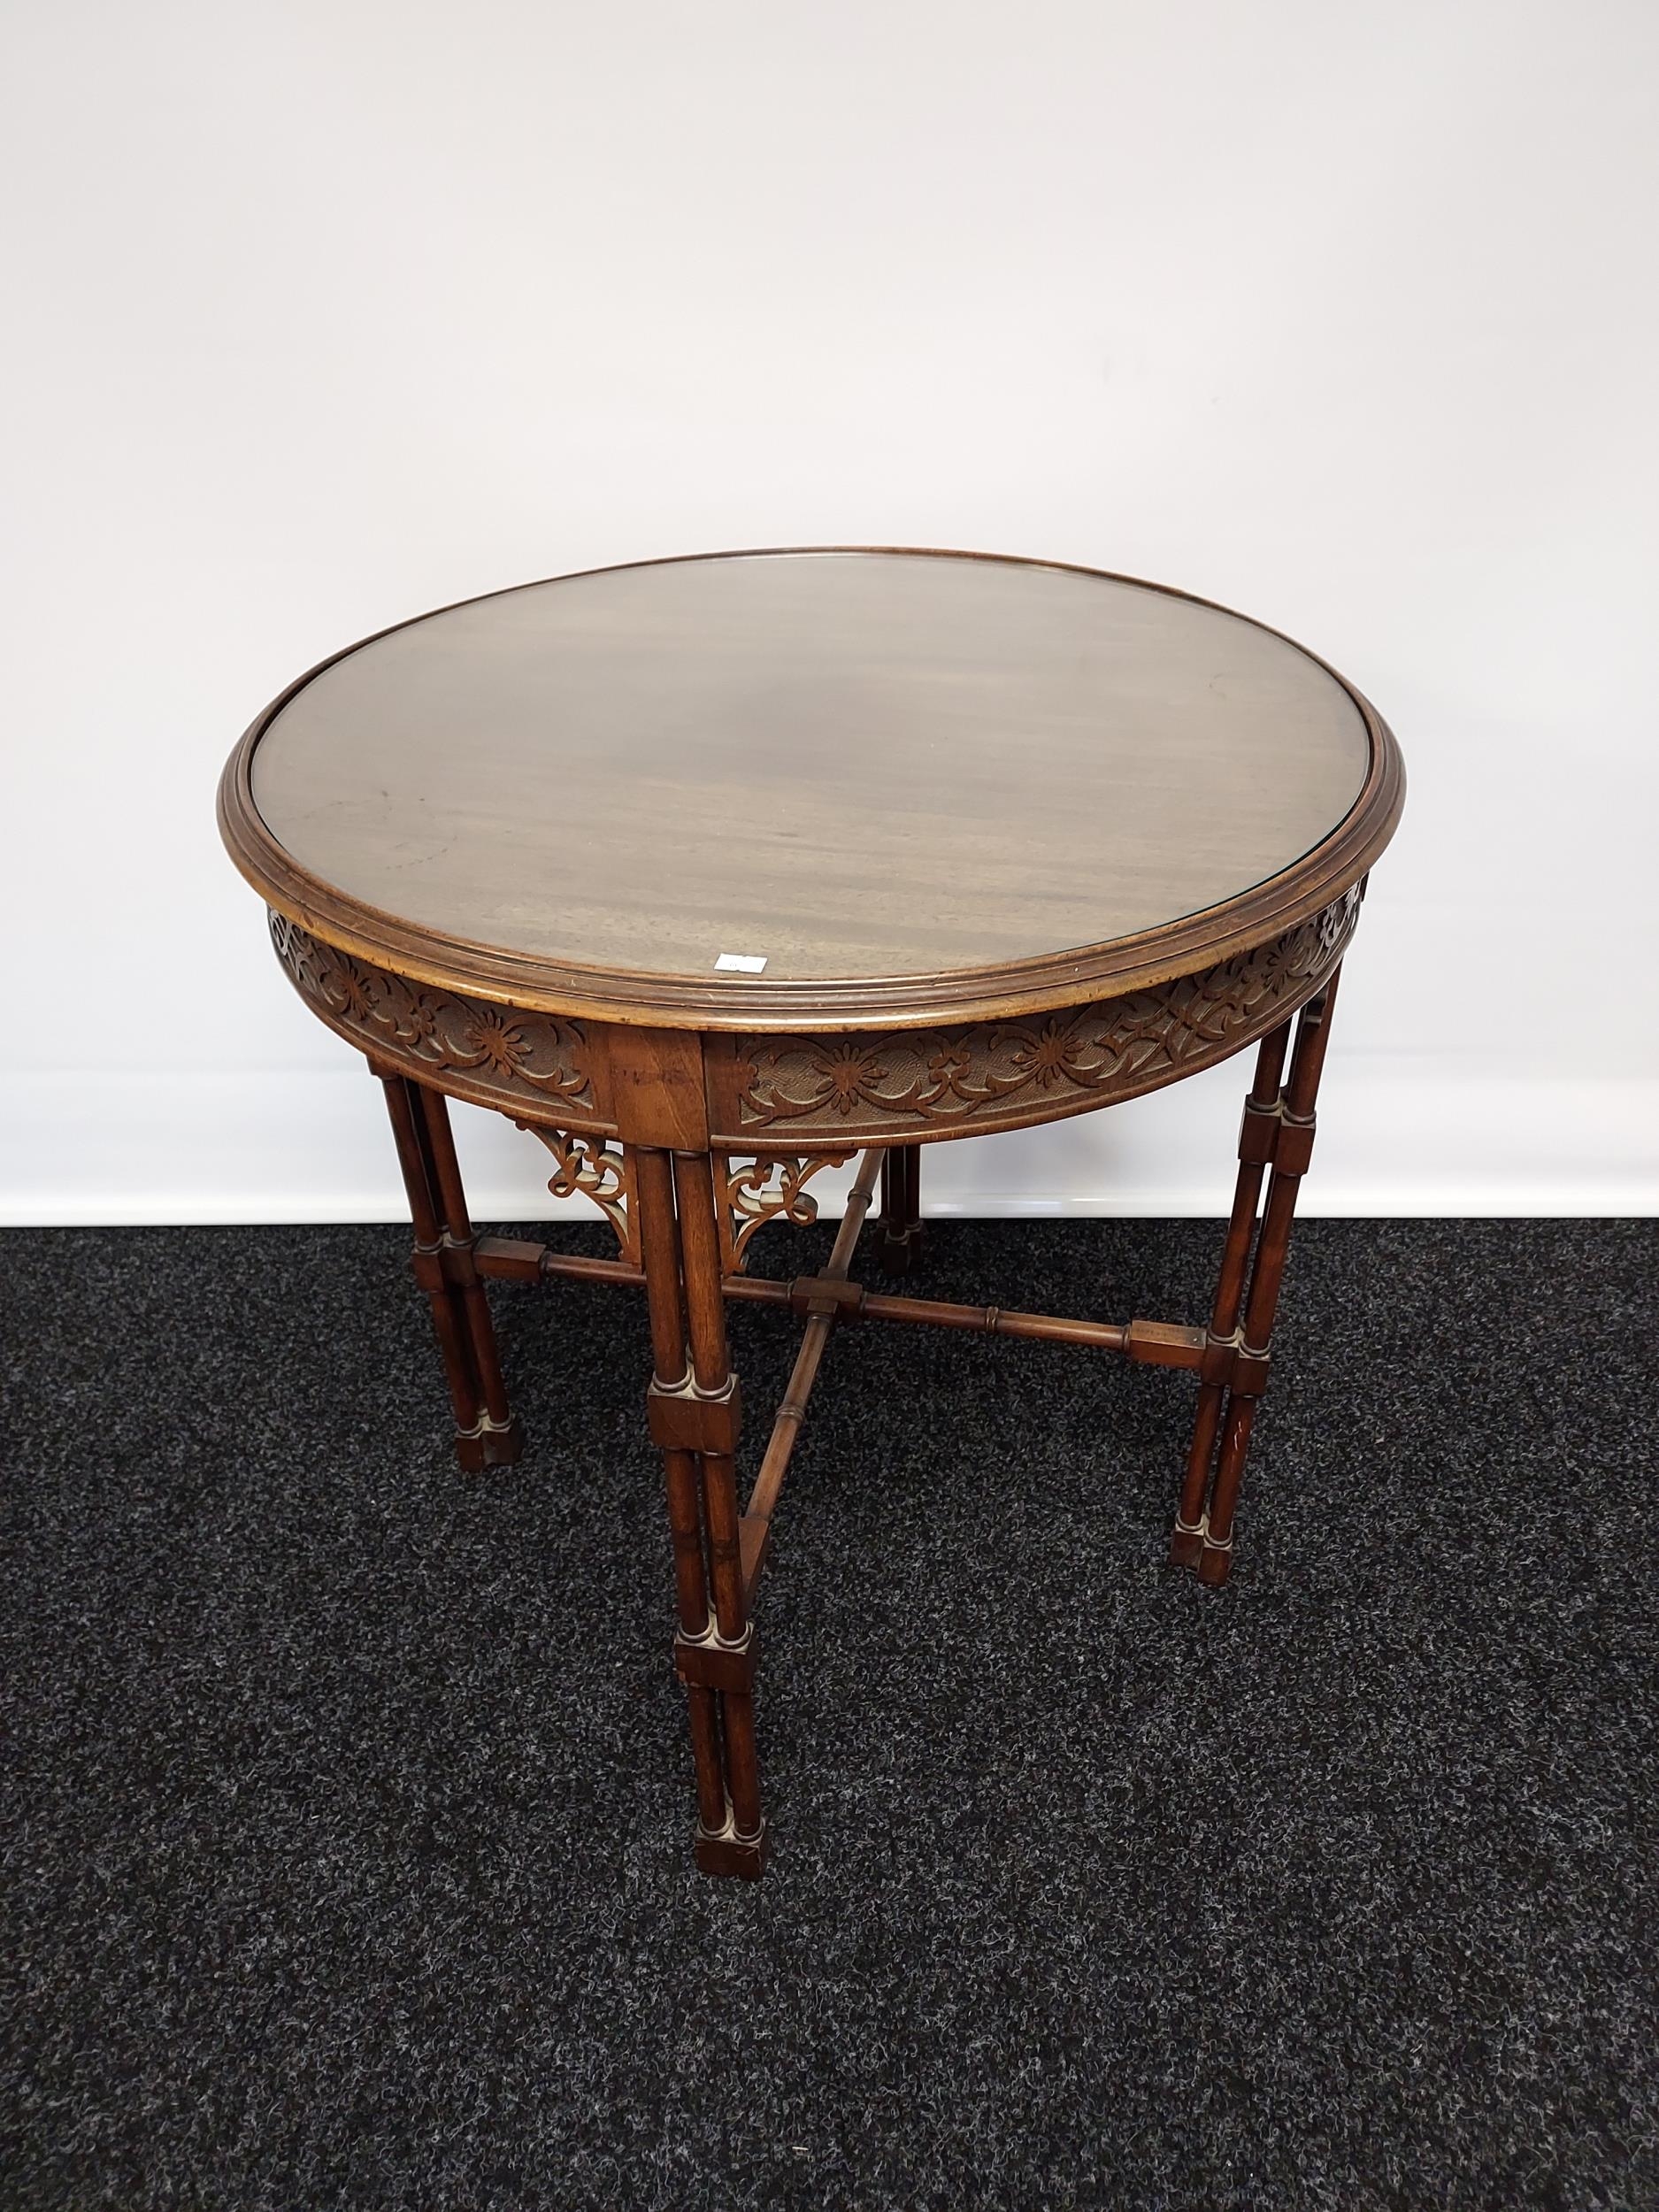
(589, 1167)
(771, 1186)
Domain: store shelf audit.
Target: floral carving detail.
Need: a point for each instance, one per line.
(850, 1072)
(1086, 1054)
(1053, 1054)
(767, 1189)
(590, 1167)
(523, 1055)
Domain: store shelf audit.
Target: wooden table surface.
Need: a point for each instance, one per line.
(902, 770)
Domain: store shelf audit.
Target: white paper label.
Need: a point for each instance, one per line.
(742, 963)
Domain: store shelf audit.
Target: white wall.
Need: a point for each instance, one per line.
(323, 312)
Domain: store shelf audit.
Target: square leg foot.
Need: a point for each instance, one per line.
(490, 1445)
(1216, 1565)
(503, 1447)
(899, 1251)
(1186, 1546)
(744, 1856)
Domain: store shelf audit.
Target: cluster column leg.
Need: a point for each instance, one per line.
(694, 1415)
(1256, 1149)
(900, 1246)
(659, 1244)
(1293, 1149)
(486, 1433)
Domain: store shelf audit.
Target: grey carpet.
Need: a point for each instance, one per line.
(346, 1805)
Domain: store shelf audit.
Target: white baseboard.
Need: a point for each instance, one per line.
(1395, 1139)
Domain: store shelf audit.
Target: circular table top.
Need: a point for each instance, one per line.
(775, 789)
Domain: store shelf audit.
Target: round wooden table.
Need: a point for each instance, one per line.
(710, 873)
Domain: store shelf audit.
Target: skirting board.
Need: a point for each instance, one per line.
(1395, 1139)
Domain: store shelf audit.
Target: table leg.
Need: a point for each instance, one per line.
(695, 1417)
(1256, 1149)
(486, 1434)
(899, 1247)
(1291, 1150)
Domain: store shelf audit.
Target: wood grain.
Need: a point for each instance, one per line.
(575, 797)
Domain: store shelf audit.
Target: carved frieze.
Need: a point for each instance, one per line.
(499, 1054)
(784, 1101)
(1004, 1075)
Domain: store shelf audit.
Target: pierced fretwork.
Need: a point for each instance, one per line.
(770, 1188)
(590, 1167)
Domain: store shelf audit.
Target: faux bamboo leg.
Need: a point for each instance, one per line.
(448, 1320)
(1293, 1149)
(659, 1243)
(500, 1434)
(1256, 1148)
(899, 1247)
(725, 1655)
